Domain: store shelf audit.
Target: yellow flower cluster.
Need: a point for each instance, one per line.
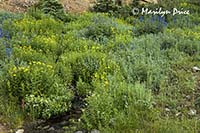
(184, 4)
(95, 48)
(47, 40)
(26, 24)
(13, 71)
(113, 30)
(25, 47)
(49, 43)
(26, 69)
(102, 77)
(185, 33)
(50, 40)
(41, 63)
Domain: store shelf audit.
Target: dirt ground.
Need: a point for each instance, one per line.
(2, 129)
(69, 5)
(22, 5)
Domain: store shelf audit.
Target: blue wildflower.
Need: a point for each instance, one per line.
(141, 18)
(7, 35)
(1, 33)
(153, 19)
(175, 20)
(133, 29)
(8, 52)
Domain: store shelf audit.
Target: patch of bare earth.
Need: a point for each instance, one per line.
(69, 5)
(77, 5)
(3, 129)
(22, 5)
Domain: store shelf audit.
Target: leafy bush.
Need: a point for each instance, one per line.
(28, 54)
(83, 66)
(106, 6)
(45, 107)
(84, 88)
(54, 8)
(175, 125)
(99, 30)
(189, 47)
(111, 99)
(147, 25)
(104, 28)
(16, 79)
(168, 41)
(29, 27)
(128, 80)
(37, 79)
(2, 52)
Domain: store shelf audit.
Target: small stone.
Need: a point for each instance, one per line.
(46, 127)
(20, 131)
(95, 131)
(195, 69)
(188, 97)
(79, 132)
(192, 112)
(167, 109)
(178, 114)
(51, 129)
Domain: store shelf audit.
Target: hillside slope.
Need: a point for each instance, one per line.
(22, 5)
(69, 5)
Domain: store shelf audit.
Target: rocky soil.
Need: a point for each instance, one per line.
(69, 5)
(22, 5)
(3, 129)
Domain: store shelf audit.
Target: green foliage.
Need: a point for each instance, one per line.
(130, 78)
(54, 8)
(46, 107)
(10, 113)
(83, 88)
(35, 78)
(175, 125)
(2, 52)
(104, 28)
(37, 85)
(113, 98)
(145, 25)
(106, 6)
(135, 3)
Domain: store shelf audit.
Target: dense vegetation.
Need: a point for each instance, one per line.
(131, 74)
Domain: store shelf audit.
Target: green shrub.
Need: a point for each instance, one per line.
(54, 8)
(106, 6)
(36, 38)
(189, 47)
(37, 79)
(104, 28)
(168, 41)
(29, 80)
(175, 125)
(129, 82)
(135, 3)
(83, 67)
(29, 27)
(111, 99)
(100, 29)
(10, 112)
(145, 25)
(28, 54)
(64, 72)
(2, 52)
(51, 105)
(84, 88)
